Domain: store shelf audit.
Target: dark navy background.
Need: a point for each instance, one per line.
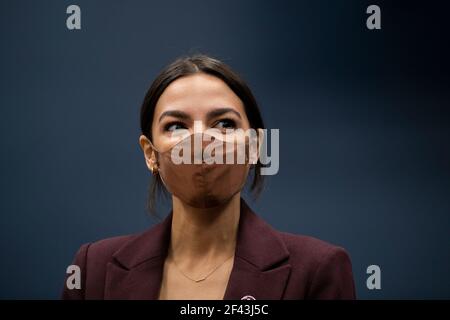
(363, 116)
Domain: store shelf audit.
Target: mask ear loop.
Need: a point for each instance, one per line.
(155, 167)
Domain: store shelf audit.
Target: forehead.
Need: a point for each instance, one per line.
(197, 94)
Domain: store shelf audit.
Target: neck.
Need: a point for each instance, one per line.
(204, 234)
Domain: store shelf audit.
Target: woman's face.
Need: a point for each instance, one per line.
(199, 97)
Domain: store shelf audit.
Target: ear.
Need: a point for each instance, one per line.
(149, 153)
(260, 141)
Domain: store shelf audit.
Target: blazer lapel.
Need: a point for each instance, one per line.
(137, 269)
(140, 283)
(260, 268)
(253, 284)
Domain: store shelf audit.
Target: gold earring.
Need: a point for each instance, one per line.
(154, 168)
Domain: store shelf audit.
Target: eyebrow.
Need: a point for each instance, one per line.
(211, 114)
(174, 113)
(220, 111)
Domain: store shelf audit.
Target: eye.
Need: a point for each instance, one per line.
(226, 124)
(172, 126)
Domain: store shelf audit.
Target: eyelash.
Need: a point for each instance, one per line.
(168, 125)
(230, 122)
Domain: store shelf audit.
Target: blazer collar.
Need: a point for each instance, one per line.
(259, 270)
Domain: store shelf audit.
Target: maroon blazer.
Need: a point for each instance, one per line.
(268, 264)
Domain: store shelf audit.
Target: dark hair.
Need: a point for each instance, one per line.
(185, 66)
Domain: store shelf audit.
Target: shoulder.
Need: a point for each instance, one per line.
(92, 260)
(324, 267)
(102, 250)
(307, 247)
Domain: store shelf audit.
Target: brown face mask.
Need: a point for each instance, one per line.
(204, 171)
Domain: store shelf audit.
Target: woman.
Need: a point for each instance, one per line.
(211, 245)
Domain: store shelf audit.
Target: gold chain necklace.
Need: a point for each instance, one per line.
(202, 278)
